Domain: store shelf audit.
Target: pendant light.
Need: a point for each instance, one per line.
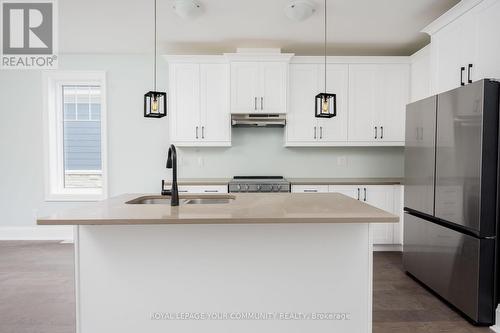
(325, 105)
(155, 102)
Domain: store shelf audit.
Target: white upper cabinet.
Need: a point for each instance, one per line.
(334, 130)
(274, 77)
(362, 98)
(451, 48)
(393, 94)
(378, 94)
(245, 87)
(184, 103)
(259, 87)
(371, 98)
(465, 45)
(215, 116)
(303, 128)
(199, 104)
(487, 40)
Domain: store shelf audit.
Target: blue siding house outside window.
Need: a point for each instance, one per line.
(82, 136)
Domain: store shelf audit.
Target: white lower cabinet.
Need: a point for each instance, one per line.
(197, 189)
(386, 197)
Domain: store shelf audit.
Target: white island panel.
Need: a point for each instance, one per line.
(128, 274)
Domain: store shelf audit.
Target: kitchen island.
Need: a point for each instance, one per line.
(250, 262)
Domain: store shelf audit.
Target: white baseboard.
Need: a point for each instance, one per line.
(37, 233)
(388, 247)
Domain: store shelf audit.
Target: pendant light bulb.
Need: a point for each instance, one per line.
(325, 105)
(154, 105)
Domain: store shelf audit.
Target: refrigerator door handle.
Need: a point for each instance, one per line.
(469, 80)
(462, 69)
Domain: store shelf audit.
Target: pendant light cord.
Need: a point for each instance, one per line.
(325, 44)
(156, 39)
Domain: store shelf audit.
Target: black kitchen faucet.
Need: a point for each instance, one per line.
(172, 164)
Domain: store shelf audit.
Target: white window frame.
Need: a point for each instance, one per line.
(54, 140)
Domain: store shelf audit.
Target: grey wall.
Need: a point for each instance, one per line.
(137, 146)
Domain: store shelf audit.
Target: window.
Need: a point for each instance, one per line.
(75, 137)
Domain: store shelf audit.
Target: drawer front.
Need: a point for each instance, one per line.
(203, 189)
(310, 188)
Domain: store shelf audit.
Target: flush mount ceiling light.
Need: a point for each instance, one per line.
(187, 8)
(299, 10)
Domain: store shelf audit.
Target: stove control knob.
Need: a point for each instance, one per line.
(278, 188)
(238, 187)
(258, 187)
(248, 187)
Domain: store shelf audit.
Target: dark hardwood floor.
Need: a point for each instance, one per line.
(36, 294)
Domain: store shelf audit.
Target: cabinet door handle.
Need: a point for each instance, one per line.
(376, 132)
(255, 104)
(310, 191)
(321, 132)
(364, 189)
(469, 80)
(314, 132)
(462, 69)
(211, 191)
(381, 132)
(197, 132)
(262, 103)
(358, 193)
(203, 132)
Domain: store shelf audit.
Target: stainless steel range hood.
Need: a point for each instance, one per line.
(258, 120)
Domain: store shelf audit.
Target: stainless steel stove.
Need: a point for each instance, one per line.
(259, 184)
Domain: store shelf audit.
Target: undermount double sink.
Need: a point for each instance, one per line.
(186, 200)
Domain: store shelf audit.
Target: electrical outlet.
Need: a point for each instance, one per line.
(342, 161)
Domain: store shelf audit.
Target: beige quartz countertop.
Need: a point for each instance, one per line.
(243, 208)
(299, 181)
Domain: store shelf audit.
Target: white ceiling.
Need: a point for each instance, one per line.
(356, 27)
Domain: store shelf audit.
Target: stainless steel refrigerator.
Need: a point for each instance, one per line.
(452, 197)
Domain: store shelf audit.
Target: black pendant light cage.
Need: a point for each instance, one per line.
(325, 104)
(155, 102)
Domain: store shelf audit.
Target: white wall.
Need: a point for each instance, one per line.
(137, 146)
